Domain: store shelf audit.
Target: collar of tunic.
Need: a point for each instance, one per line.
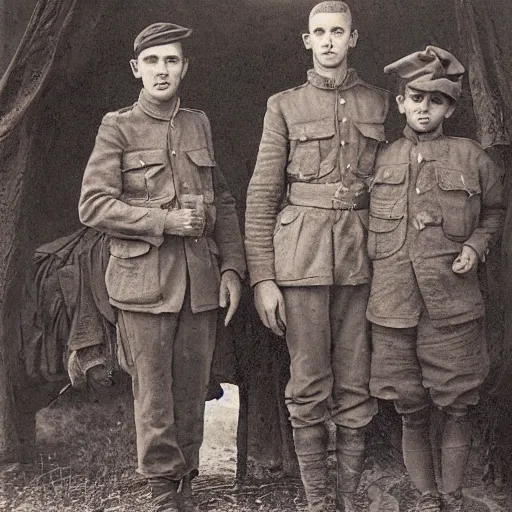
(416, 137)
(163, 111)
(322, 82)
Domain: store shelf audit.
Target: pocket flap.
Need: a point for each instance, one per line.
(201, 157)
(288, 215)
(390, 174)
(121, 248)
(378, 225)
(456, 179)
(144, 158)
(371, 130)
(312, 130)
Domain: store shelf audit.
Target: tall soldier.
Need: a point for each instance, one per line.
(151, 183)
(306, 229)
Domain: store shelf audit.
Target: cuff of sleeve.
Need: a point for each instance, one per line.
(479, 246)
(260, 275)
(238, 267)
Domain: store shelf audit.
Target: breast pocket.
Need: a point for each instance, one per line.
(388, 191)
(204, 163)
(459, 195)
(305, 153)
(144, 176)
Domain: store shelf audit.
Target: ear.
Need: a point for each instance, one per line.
(134, 64)
(450, 111)
(400, 102)
(306, 38)
(354, 36)
(185, 68)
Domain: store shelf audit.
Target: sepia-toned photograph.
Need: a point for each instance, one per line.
(255, 256)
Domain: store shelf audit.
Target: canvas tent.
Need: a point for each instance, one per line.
(71, 67)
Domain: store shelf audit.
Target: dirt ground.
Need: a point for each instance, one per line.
(86, 462)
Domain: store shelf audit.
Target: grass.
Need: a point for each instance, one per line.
(86, 463)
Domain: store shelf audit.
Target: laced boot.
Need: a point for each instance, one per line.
(350, 452)
(429, 501)
(163, 494)
(185, 500)
(452, 501)
(311, 448)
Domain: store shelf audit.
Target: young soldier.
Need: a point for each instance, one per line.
(306, 246)
(435, 204)
(176, 255)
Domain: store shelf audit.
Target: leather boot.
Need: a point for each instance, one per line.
(350, 452)
(185, 500)
(453, 501)
(164, 494)
(311, 448)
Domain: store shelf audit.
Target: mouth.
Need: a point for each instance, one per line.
(329, 54)
(162, 85)
(423, 120)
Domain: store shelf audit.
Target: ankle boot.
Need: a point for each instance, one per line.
(350, 451)
(453, 501)
(311, 448)
(185, 500)
(164, 494)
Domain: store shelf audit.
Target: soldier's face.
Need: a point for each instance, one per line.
(424, 111)
(330, 37)
(161, 69)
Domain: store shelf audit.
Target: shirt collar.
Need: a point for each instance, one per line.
(416, 137)
(323, 82)
(163, 111)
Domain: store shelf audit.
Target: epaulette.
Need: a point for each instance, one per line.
(292, 89)
(193, 110)
(467, 139)
(374, 87)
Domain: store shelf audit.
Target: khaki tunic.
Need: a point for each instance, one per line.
(142, 163)
(317, 133)
(454, 187)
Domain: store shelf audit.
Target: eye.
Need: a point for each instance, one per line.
(417, 98)
(338, 32)
(172, 60)
(437, 100)
(319, 31)
(151, 59)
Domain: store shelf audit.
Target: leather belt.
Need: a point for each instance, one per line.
(331, 196)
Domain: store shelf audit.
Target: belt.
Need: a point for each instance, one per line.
(330, 196)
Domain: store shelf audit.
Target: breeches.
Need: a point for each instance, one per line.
(327, 338)
(423, 364)
(168, 357)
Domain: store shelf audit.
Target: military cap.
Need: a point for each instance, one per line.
(434, 69)
(157, 34)
(330, 6)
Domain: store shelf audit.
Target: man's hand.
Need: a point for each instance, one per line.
(270, 306)
(184, 222)
(465, 261)
(230, 292)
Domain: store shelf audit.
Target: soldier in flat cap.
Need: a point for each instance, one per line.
(306, 232)
(152, 184)
(435, 206)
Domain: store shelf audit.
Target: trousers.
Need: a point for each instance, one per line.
(329, 346)
(169, 357)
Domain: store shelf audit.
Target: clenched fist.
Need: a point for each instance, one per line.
(184, 222)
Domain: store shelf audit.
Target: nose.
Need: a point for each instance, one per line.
(161, 69)
(424, 103)
(327, 40)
